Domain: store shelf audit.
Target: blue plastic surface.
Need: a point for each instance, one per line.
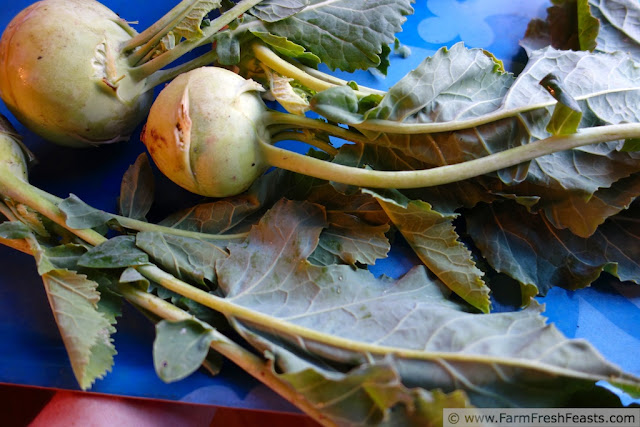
(31, 352)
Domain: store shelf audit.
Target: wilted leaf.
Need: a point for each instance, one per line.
(191, 19)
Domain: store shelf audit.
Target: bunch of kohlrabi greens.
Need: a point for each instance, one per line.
(539, 168)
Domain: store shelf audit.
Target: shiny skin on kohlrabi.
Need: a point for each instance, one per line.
(204, 129)
(62, 77)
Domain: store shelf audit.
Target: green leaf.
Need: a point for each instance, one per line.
(526, 247)
(65, 256)
(287, 48)
(567, 113)
(14, 230)
(276, 10)
(632, 144)
(339, 104)
(445, 88)
(227, 47)
(136, 190)
(436, 242)
(340, 318)
(345, 34)
(132, 276)
(79, 215)
(189, 259)
(117, 252)
(511, 112)
(180, 348)
(351, 240)
(618, 31)
(85, 329)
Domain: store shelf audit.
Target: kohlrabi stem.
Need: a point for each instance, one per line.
(317, 81)
(134, 224)
(317, 168)
(159, 27)
(186, 46)
(137, 225)
(162, 76)
(25, 193)
(306, 138)
(249, 362)
(298, 332)
(276, 118)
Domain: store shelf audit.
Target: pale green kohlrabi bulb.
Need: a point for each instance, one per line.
(13, 155)
(61, 73)
(203, 132)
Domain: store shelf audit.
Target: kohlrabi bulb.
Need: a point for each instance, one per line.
(12, 153)
(203, 132)
(61, 73)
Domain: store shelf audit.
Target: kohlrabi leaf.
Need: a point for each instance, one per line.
(191, 19)
(36, 222)
(567, 113)
(79, 215)
(528, 248)
(287, 47)
(65, 256)
(345, 34)
(631, 144)
(14, 230)
(582, 215)
(618, 26)
(370, 394)
(356, 226)
(588, 25)
(136, 189)
(224, 215)
(14, 235)
(453, 84)
(275, 10)
(351, 240)
(187, 258)
(436, 242)
(227, 47)
(570, 25)
(512, 112)
(180, 348)
(339, 318)
(84, 322)
(117, 252)
(133, 277)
